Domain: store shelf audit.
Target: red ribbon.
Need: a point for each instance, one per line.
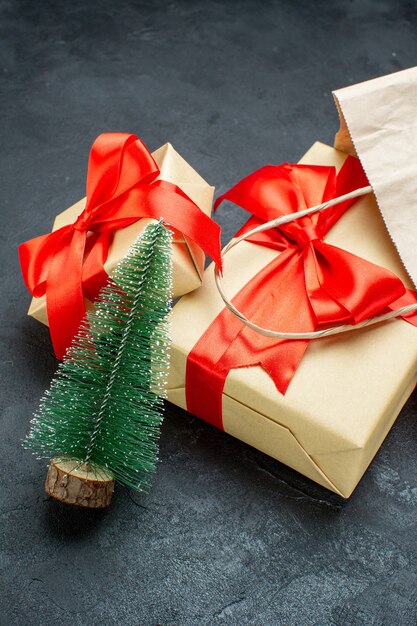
(309, 284)
(68, 263)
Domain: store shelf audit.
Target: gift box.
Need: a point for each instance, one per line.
(188, 258)
(153, 184)
(336, 407)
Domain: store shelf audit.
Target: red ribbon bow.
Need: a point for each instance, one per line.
(68, 263)
(310, 284)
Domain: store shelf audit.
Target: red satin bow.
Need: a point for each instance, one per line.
(310, 284)
(68, 263)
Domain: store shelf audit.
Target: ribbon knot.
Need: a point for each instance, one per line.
(82, 223)
(122, 187)
(304, 236)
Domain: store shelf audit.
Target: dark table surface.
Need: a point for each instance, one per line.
(226, 535)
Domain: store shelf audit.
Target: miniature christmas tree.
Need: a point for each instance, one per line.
(103, 411)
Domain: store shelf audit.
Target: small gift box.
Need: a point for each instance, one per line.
(127, 187)
(321, 406)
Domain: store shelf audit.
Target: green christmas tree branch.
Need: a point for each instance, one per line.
(105, 404)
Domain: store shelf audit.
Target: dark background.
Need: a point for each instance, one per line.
(226, 536)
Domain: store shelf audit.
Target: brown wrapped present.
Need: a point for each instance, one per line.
(346, 391)
(126, 188)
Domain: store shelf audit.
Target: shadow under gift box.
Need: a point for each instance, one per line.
(188, 258)
(348, 389)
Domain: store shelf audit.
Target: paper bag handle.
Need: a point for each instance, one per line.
(318, 334)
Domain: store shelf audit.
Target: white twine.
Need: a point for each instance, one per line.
(336, 330)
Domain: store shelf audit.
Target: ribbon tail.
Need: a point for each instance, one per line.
(285, 308)
(64, 295)
(94, 276)
(34, 256)
(228, 344)
(166, 201)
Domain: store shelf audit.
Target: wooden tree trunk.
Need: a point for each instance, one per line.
(80, 485)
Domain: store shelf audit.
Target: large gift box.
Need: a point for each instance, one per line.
(128, 187)
(330, 413)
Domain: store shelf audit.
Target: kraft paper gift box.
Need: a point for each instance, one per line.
(188, 258)
(348, 389)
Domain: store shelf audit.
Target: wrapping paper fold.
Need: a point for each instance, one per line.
(348, 389)
(188, 258)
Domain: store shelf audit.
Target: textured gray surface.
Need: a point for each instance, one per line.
(226, 536)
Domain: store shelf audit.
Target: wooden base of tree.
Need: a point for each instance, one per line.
(80, 485)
